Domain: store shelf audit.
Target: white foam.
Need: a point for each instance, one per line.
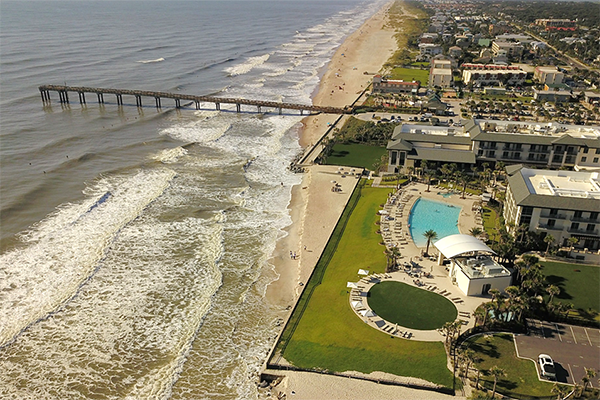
(151, 61)
(60, 255)
(247, 66)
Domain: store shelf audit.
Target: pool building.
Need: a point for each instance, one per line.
(472, 267)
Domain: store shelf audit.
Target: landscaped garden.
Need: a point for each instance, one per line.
(411, 307)
(521, 379)
(579, 285)
(324, 333)
(356, 155)
(411, 74)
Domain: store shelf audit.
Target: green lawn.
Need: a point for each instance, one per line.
(489, 222)
(579, 284)
(410, 74)
(355, 155)
(411, 307)
(521, 380)
(329, 335)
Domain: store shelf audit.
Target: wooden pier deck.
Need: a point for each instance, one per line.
(63, 96)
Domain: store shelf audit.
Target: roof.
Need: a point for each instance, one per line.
(399, 144)
(526, 196)
(443, 155)
(455, 245)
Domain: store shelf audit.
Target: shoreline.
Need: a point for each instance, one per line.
(364, 50)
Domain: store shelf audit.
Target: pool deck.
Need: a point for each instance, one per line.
(395, 233)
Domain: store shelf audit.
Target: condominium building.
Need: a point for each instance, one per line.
(383, 85)
(543, 145)
(510, 49)
(548, 75)
(563, 204)
(440, 73)
(492, 75)
(557, 24)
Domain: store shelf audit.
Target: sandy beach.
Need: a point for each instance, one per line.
(315, 208)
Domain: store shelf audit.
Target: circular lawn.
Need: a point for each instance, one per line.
(411, 307)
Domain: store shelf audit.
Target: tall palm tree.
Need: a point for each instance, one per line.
(550, 240)
(552, 290)
(590, 373)
(429, 235)
(496, 372)
(560, 391)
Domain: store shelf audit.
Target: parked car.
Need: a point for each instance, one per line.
(547, 369)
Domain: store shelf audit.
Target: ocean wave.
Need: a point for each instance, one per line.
(151, 61)
(64, 249)
(246, 67)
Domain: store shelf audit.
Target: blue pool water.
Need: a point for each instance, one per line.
(427, 214)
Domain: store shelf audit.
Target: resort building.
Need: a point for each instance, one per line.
(554, 96)
(543, 145)
(492, 75)
(428, 50)
(383, 85)
(563, 204)
(510, 49)
(548, 75)
(472, 267)
(440, 73)
(557, 24)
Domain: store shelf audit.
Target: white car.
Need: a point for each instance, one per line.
(547, 369)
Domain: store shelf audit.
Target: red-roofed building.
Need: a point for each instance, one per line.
(383, 85)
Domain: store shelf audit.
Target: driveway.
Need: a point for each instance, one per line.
(572, 348)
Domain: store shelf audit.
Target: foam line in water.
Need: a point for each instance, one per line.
(64, 250)
(247, 66)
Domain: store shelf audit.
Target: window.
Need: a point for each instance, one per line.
(574, 226)
(551, 222)
(577, 214)
(590, 228)
(394, 158)
(585, 150)
(593, 216)
(527, 210)
(525, 220)
(505, 154)
(553, 211)
(517, 156)
(583, 159)
(595, 160)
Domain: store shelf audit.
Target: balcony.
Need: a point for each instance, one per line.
(553, 216)
(583, 231)
(549, 228)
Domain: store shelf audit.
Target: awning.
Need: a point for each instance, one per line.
(352, 285)
(454, 245)
(363, 272)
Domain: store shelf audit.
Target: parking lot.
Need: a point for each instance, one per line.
(572, 348)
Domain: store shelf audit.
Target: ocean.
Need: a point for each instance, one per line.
(135, 242)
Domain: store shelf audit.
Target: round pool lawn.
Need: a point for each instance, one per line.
(411, 307)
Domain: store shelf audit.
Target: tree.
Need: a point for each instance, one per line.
(496, 372)
(552, 290)
(429, 235)
(476, 231)
(572, 241)
(560, 390)
(550, 240)
(590, 373)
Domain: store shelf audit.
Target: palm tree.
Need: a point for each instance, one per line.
(572, 241)
(429, 235)
(476, 231)
(560, 390)
(590, 373)
(552, 291)
(550, 240)
(496, 372)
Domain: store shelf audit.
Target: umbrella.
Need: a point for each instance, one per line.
(367, 313)
(357, 304)
(352, 285)
(363, 272)
(333, 182)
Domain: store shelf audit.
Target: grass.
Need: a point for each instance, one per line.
(411, 74)
(489, 223)
(579, 284)
(355, 155)
(411, 307)
(521, 380)
(328, 334)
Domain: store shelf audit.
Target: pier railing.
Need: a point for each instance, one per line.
(63, 97)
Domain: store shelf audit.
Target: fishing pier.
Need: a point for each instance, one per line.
(63, 97)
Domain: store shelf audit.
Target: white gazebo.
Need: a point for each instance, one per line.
(472, 268)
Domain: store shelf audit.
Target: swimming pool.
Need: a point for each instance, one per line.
(428, 214)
